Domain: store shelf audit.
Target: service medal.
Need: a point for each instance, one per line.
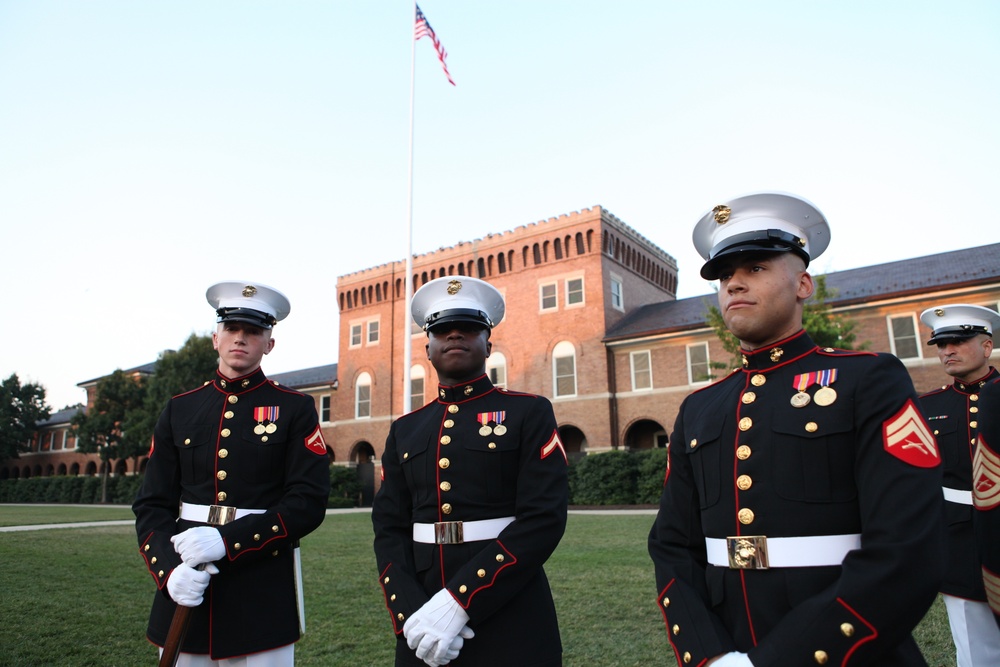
(485, 430)
(825, 396)
(271, 428)
(800, 400)
(500, 429)
(259, 429)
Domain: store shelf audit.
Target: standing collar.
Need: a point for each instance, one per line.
(240, 384)
(778, 353)
(465, 390)
(976, 385)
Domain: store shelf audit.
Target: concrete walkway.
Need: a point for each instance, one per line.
(349, 510)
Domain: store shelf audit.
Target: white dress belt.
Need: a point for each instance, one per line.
(214, 514)
(457, 532)
(957, 496)
(757, 552)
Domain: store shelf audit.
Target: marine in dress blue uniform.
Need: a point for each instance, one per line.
(472, 502)
(800, 517)
(986, 492)
(963, 336)
(237, 474)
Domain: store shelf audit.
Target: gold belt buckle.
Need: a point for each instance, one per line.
(747, 552)
(448, 532)
(220, 515)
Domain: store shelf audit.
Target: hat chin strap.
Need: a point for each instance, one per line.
(247, 314)
(774, 236)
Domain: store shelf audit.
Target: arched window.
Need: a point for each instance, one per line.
(496, 369)
(564, 369)
(363, 397)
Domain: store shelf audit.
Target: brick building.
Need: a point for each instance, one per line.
(592, 323)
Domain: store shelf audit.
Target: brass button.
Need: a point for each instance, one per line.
(666, 602)
(446, 486)
(187, 441)
(847, 629)
(445, 439)
(146, 548)
(223, 453)
(821, 657)
(974, 397)
(749, 398)
(237, 546)
(386, 580)
(225, 433)
(274, 553)
(492, 445)
(444, 463)
(392, 598)
(694, 442)
(744, 482)
(687, 657)
(812, 427)
(463, 588)
(742, 452)
(160, 573)
(745, 424)
(446, 508)
(974, 424)
(263, 438)
(229, 414)
(973, 409)
(233, 399)
(758, 380)
(256, 537)
(221, 474)
(676, 629)
(400, 616)
(499, 558)
(406, 455)
(452, 408)
(745, 516)
(448, 423)
(481, 573)
(274, 529)
(152, 561)
(221, 496)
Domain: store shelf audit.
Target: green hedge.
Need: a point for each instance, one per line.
(618, 478)
(345, 487)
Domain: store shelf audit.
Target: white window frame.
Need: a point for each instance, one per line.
(372, 332)
(646, 373)
(356, 332)
(617, 293)
(558, 354)
(417, 374)
(325, 407)
(364, 382)
(916, 335)
(542, 297)
(690, 365)
(582, 292)
(496, 369)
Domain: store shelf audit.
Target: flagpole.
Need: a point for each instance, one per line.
(407, 338)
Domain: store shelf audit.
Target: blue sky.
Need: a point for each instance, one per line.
(149, 149)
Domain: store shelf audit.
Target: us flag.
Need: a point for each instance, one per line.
(423, 29)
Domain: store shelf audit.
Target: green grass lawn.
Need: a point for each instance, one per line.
(81, 596)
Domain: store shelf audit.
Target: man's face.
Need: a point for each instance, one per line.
(967, 359)
(761, 296)
(241, 346)
(458, 351)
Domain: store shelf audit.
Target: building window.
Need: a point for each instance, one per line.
(697, 361)
(903, 336)
(496, 369)
(564, 369)
(363, 397)
(324, 408)
(574, 291)
(373, 332)
(355, 335)
(642, 370)
(617, 301)
(416, 387)
(549, 298)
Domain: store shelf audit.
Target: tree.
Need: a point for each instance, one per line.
(101, 429)
(176, 372)
(825, 328)
(21, 408)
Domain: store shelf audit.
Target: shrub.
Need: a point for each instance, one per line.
(651, 471)
(605, 479)
(345, 487)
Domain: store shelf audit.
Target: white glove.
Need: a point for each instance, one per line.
(198, 545)
(187, 585)
(431, 629)
(734, 659)
(456, 646)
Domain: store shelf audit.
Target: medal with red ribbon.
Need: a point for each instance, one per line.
(267, 414)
